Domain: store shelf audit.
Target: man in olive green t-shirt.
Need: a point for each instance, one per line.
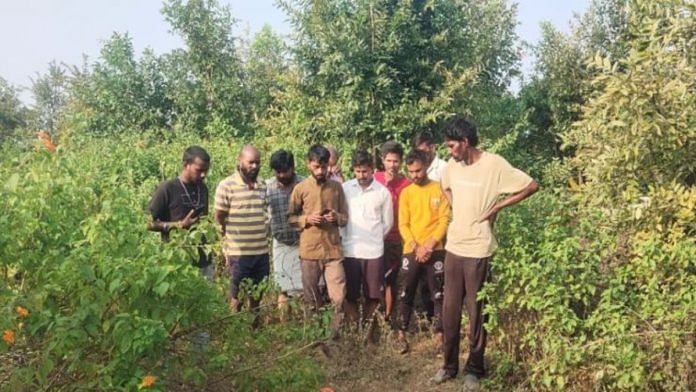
(472, 181)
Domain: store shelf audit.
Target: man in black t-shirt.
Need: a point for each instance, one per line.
(179, 203)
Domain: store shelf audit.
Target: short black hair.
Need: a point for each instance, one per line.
(362, 158)
(193, 152)
(392, 147)
(282, 161)
(416, 155)
(318, 153)
(458, 128)
(424, 136)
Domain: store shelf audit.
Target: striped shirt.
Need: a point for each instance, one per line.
(246, 226)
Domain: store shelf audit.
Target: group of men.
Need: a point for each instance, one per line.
(375, 238)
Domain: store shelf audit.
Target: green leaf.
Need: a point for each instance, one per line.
(162, 288)
(12, 182)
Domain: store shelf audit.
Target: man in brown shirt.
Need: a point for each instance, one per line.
(317, 208)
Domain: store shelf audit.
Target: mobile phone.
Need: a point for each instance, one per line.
(199, 210)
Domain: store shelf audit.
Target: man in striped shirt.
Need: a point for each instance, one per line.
(241, 210)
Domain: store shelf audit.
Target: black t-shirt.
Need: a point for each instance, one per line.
(173, 200)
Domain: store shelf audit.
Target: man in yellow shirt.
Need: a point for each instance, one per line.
(473, 181)
(423, 217)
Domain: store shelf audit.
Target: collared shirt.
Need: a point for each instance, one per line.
(278, 198)
(321, 242)
(475, 189)
(370, 218)
(246, 223)
(437, 166)
(394, 187)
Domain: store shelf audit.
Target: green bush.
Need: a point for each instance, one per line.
(109, 303)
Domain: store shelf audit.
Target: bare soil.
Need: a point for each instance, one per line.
(352, 365)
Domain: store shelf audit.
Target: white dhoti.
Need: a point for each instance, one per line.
(286, 267)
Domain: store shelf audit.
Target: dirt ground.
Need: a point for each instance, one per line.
(351, 365)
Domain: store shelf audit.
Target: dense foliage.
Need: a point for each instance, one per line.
(593, 284)
(108, 303)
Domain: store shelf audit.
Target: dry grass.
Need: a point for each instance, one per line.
(352, 365)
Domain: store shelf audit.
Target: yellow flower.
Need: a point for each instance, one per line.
(22, 312)
(8, 336)
(148, 381)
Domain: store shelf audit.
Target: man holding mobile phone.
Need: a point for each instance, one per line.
(178, 204)
(317, 208)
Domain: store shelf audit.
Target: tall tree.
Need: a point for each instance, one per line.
(637, 136)
(370, 70)
(206, 77)
(265, 61)
(561, 81)
(50, 96)
(119, 93)
(13, 114)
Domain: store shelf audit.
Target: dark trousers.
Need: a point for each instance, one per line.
(412, 273)
(426, 298)
(254, 268)
(464, 277)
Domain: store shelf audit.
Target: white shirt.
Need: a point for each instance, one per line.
(370, 217)
(436, 168)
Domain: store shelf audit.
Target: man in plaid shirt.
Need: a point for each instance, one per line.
(286, 258)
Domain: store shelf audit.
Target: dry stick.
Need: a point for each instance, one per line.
(221, 319)
(641, 318)
(56, 376)
(265, 363)
(178, 321)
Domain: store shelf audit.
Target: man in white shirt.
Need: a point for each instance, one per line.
(370, 218)
(424, 141)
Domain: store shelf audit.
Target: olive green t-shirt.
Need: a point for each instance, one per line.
(475, 189)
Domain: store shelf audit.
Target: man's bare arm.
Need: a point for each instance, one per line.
(448, 193)
(220, 218)
(511, 200)
(162, 226)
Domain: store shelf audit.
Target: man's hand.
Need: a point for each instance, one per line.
(336, 171)
(330, 216)
(315, 219)
(189, 220)
(490, 215)
(423, 254)
(513, 199)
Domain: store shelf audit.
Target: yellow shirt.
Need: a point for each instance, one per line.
(423, 214)
(475, 189)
